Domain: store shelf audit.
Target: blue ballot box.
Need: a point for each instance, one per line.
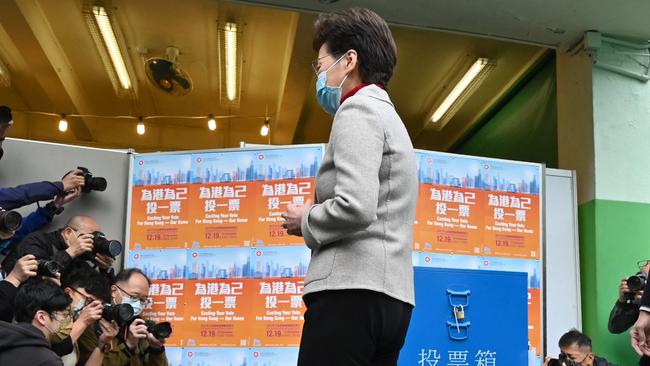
(468, 318)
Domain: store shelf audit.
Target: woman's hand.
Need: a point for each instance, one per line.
(293, 217)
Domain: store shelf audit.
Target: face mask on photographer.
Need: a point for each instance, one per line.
(136, 303)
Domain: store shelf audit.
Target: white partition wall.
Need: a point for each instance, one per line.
(562, 262)
(26, 161)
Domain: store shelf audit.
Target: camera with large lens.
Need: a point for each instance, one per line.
(10, 220)
(121, 313)
(636, 282)
(159, 330)
(101, 245)
(48, 268)
(92, 183)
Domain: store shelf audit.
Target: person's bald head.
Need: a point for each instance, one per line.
(83, 224)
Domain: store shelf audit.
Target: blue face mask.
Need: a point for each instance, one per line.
(329, 97)
(136, 304)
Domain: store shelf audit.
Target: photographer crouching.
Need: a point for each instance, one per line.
(139, 342)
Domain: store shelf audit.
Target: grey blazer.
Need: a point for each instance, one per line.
(360, 230)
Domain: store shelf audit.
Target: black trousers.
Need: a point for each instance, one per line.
(644, 361)
(353, 328)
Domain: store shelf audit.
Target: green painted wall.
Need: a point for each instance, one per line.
(614, 235)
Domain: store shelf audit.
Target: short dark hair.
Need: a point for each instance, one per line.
(574, 337)
(367, 33)
(126, 274)
(39, 294)
(5, 114)
(81, 275)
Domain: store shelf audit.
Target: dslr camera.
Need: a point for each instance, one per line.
(48, 268)
(159, 330)
(92, 183)
(10, 220)
(636, 282)
(101, 245)
(122, 314)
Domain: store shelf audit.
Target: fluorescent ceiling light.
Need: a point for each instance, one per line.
(457, 91)
(103, 23)
(230, 45)
(140, 128)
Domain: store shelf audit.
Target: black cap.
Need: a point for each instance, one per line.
(5, 114)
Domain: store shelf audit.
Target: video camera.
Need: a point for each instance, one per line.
(122, 313)
(160, 330)
(92, 183)
(48, 268)
(10, 221)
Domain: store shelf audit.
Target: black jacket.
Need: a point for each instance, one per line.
(622, 317)
(24, 344)
(598, 361)
(43, 245)
(7, 295)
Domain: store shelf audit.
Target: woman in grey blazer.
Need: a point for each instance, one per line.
(359, 285)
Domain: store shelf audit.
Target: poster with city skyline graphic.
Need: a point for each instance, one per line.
(477, 213)
(231, 281)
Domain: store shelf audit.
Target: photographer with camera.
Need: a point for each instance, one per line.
(41, 307)
(575, 350)
(81, 239)
(135, 344)
(626, 310)
(25, 268)
(88, 291)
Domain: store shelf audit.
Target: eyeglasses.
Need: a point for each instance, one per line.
(315, 64)
(642, 263)
(61, 316)
(87, 299)
(143, 300)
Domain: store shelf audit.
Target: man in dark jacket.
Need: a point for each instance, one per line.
(25, 268)
(73, 242)
(626, 310)
(575, 348)
(41, 307)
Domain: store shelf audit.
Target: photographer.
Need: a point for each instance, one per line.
(575, 348)
(626, 310)
(41, 308)
(73, 242)
(26, 194)
(88, 291)
(134, 345)
(25, 268)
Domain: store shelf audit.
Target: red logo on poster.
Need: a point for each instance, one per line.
(136, 256)
(256, 354)
(429, 160)
(258, 253)
(486, 263)
(260, 156)
(199, 160)
(427, 259)
(195, 254)
(190, 354)
(141, 162)
(486, 167)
